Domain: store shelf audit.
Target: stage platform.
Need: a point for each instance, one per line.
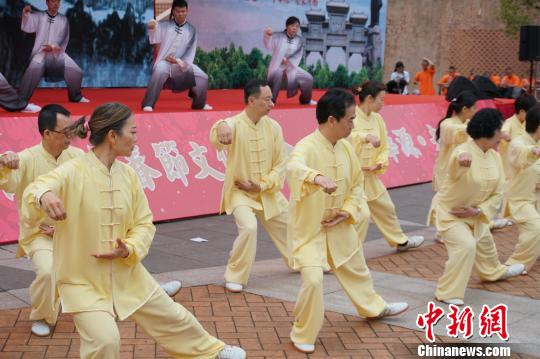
(221, 100)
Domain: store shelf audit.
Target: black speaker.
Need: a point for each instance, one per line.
(529, 43)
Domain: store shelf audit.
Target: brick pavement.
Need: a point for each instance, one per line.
(428, 263)
(259, 324)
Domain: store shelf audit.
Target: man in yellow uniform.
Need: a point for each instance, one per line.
(514, 127)
(327, 203)
(369, 140)
(253, 180)
(17, 171)
(523, 191)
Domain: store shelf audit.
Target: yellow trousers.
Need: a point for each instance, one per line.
(383, 214)
(171, 325)
(244, 249)
(355, 279)
(467, 248)
(528, 247)
(41, 294)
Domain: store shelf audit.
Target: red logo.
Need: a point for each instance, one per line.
(491, 321)
(429, 320)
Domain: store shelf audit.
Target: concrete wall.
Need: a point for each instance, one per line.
(463, 33)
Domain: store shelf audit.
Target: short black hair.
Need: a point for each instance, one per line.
(532, 121)
(485, 123)
(47, 117)
(524, 102)
(292, 20)
(333, 103)
(399, 64)
(452, 68)
(179, 3)
(253, 88)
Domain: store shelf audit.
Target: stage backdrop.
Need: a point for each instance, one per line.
(183, 175)
(230, 38)
(108, 40)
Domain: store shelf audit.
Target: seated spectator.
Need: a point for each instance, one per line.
(495, 78)
(447, 79)
(510, 84)
(399, 79)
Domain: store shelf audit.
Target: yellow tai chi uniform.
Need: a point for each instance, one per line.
(515, 129)
(33, 162)
(104, 205)
(257, 153)
(383, 212)
(453, 132)
(312, 246)
(523, 199)
(468, 240)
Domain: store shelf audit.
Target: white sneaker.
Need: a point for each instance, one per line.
(304, 348)
(207, 107)
(31, 108)
(230, 352)
(234, 287)
(40, 328)
(412, 242)
(148, 109)
(513, 271)
(313, 103)
(501, 223)
(393, 309)
(84, 100)
(454, 301)
(171, 288)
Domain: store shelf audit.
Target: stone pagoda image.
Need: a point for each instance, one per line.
(335, 27)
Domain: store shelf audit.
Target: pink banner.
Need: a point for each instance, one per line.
(182, 174)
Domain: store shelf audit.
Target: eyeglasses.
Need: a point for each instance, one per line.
(66, 133)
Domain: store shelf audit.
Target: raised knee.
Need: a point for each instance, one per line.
(44, 273)
(251, 227)
(108, 342)
(313, 280)
(468, 247)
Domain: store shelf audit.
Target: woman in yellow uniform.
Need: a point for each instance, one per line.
(514, 127)
(452, 131)
(103, 231)
(466, 202)
(523, 191)
(326, 204)
(369, 140)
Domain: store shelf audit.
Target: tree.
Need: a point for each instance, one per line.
(341, 77)
(241, 74)
(516, 13)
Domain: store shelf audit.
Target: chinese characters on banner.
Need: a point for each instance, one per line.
(183, 174)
